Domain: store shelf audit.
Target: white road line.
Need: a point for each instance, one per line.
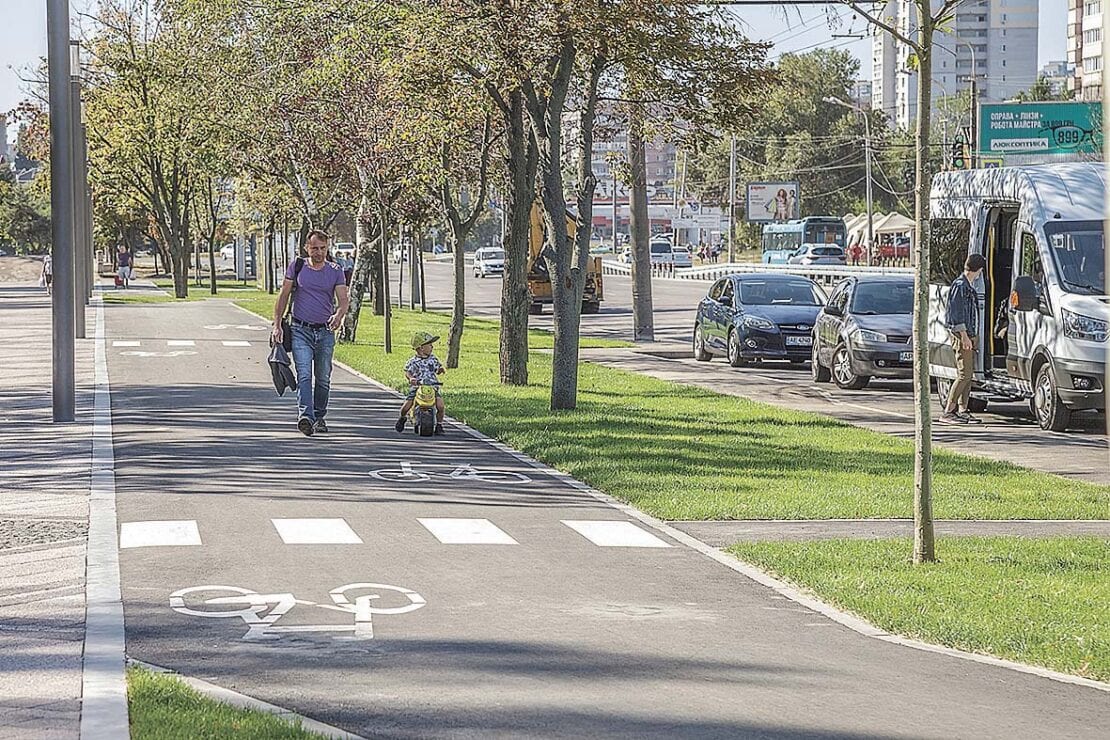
(181, 343)
(103, 671)
(235, 343)
(615, 534)
(126, 343)
(316, 532)
(181, 533)
(467, 532)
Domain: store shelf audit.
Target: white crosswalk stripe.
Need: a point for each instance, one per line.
(159, 534)
(316, 532)
(467, 532)
(615, 534)
(236, 343)
(126, 343)
(181, 343)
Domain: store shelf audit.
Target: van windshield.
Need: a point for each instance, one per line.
(1080, 255)
(492, 254)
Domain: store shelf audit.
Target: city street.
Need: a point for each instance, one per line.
(449, 588)
(886, 405)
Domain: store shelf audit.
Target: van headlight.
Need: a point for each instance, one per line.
(866, 336)
(1078, 326)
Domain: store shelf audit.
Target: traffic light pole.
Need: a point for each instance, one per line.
(61, 205)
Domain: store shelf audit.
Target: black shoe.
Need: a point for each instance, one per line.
(439, 429)
(968, 418)
(321, 427)
(306, 426)
(951, 417)
(400, 425)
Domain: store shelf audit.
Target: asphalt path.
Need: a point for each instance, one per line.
(1009, 432)
(390, 631)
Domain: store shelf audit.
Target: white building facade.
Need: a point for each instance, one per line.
(1085, 29)
(994, 41)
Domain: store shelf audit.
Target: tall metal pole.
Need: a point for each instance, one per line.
(78, 185)
(61, 206)
(867, 174)
(615, 212)
(731, 198)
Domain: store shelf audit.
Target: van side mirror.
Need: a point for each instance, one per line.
(1024, 295)
(831, 309)
(725, 300)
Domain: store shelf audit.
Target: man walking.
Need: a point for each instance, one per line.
(319, 293)
(962, 319)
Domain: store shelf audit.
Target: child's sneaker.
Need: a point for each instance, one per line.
(439, 429)
(400, 425)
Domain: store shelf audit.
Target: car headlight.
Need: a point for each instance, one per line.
(758, 322)
(1078, 326)
(866, 335)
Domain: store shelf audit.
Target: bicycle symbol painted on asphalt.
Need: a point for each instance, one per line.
(261, 612)
(406, 473)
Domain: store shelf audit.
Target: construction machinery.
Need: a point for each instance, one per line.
(539, 280)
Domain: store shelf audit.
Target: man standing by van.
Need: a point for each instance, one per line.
(319, 293)
(962, 319)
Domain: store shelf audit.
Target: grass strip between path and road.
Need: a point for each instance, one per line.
(1043, 601)
(683, 453)
(161, 707)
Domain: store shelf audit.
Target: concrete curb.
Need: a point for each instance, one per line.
(242, 701)
(103, 674)
(852, 622)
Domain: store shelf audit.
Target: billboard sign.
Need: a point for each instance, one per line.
(1047, 129)
(773, 201)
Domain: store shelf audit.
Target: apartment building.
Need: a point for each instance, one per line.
(1085, 48)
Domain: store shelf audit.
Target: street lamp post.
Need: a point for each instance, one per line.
(973, 85)
(731, 197)
(80, 237)
(866, 171)
(61, 206)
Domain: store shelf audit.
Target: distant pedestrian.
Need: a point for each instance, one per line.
(857, 252)
(318, 291)
(124, 265)
(961, 317)
(47, 273)
(715, 253)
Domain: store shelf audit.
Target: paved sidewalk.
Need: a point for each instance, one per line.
(44, 485)
(726, 533)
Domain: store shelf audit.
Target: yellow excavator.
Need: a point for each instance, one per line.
(539, 281)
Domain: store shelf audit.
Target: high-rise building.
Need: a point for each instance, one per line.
(992, 41)
(1085, 48)
(1058, 76)
(861, 93)
(6, 155)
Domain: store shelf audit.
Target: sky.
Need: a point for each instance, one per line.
(23, 35)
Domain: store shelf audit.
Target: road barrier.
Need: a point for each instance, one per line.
(822, 274)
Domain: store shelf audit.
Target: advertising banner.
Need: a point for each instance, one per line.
(1046, 129)
(773, 201)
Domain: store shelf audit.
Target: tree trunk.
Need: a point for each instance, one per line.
(387, 313)
(643, 321)
(923, 540)
(458, 308)
(212, 263)
(515, 298)
(366, 268)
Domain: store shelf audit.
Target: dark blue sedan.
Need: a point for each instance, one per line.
(758, 316)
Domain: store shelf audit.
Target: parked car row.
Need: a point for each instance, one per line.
(861, 330)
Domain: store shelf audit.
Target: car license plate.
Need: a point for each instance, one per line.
(905, 357)
(799, 341)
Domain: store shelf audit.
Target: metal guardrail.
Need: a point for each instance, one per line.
(822, 274)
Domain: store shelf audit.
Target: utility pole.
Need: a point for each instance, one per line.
(80, 238)
(61, 206)
(866, 169)
(731, 198)
(613, 175)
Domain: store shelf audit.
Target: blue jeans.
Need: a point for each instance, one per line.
(312, 352)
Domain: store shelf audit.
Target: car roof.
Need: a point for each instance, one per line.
(768, 276)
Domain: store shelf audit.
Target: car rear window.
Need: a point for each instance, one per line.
(660, 248)
(828, 251)
(778, 292)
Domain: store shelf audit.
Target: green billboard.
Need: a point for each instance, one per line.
(1040, 129)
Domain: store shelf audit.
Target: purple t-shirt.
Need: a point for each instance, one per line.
(314, 298)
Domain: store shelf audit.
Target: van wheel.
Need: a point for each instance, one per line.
(1052, 415)
(591, 307)
(701, 354)
(734, 357)
(842, 371)
(535, 309)
(977, 405)
(944, 389)
(820, 373)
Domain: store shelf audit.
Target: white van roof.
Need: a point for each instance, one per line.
(1068, 191)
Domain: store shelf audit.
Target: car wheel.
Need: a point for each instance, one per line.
(842, 371)
(977, 405)
(819, 372)
(701, 354)
(1052, 415)
(734, 357)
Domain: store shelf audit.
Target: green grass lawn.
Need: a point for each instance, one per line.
(163, 708)
(679, 452)
(1041, 601)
